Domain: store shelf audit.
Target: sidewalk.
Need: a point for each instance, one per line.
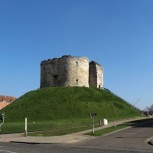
(64, 139)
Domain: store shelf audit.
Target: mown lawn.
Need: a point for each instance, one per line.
(56, 125)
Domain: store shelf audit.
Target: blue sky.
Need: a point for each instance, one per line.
(118, 34)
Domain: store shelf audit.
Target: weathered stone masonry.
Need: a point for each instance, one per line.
(71, 71)
(95, 75)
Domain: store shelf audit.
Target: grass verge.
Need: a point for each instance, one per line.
(108, 130)
(61, 126)
(118, 127)
(57, 132)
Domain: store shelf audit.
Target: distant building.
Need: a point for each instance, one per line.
(6, 100)
(71, 71)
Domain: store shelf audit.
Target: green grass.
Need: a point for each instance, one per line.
(57, 132)
(108, 130)
(117, 127)
(64, 107)
(55, 125)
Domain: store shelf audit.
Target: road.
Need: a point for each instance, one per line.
(131, 140)
(46, 148)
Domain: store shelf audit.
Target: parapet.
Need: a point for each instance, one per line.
(63, 57)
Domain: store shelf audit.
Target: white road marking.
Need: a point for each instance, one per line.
(7, 151)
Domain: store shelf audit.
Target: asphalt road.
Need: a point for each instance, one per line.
(131, 140)
(46, 148)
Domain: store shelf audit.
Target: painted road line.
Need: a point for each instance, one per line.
(7, 151)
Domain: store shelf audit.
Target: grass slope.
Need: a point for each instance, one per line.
(60, 103)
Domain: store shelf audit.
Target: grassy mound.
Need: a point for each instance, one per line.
(60, 103)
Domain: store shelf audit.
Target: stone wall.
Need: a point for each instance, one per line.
(95, 75)
(65, 71)
(92, 75)
(100, 73)
(71, 71)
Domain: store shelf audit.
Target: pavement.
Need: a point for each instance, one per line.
(64, 139)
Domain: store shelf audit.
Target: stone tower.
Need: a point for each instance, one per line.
(70, 71)
(65, 71)
(95, 75)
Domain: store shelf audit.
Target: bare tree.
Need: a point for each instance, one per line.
(149, 110)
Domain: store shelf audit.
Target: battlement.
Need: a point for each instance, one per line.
(63, 57)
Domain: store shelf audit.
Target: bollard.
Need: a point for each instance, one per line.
(25, 127)
(105, 121)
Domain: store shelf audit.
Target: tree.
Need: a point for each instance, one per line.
(149, 110)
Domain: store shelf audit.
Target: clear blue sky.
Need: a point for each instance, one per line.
(118, 34)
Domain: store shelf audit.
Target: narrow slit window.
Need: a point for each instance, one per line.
(55, 76)
(77, 81)
(55, 80)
